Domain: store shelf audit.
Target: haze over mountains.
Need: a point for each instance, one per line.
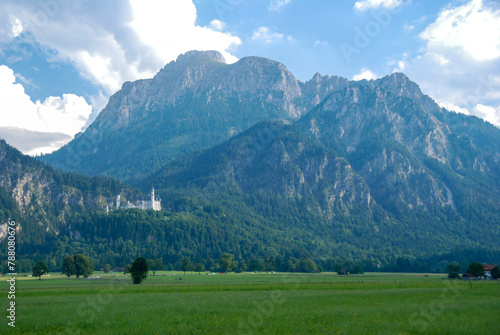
(329, 167)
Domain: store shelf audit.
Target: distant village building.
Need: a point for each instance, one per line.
(487, 273)
(487, 270)
(144, 203)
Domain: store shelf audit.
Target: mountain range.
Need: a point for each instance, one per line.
(193, 103)
(270, 165)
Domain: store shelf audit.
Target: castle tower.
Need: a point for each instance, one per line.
(118, 201)
(155, 203)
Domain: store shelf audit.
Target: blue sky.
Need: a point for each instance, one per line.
(60, 60)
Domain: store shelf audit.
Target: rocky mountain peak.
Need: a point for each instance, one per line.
(398, 83)
(266, 71)
(187, 68)
(194, 56)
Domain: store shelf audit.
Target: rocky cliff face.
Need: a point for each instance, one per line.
(278, 160)
(41, 197)
(390, 131)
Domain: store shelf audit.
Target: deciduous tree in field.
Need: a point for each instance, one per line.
(40, 269)
(139, 270)
(155, 265)
(226, 262)
(476, 269)
(307, 265)
(357, 269)
(453, 271)
(254, 265)
(186, 264)
(199, 267)
(68, 266)
(83, 266)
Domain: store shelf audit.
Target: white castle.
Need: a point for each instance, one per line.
(144, 203)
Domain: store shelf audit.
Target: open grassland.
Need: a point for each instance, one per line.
(255, 303)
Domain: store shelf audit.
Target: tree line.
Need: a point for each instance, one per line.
(80, 265)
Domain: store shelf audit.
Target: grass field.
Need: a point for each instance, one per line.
(254, 304)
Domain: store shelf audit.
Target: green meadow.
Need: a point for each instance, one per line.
(248, 303)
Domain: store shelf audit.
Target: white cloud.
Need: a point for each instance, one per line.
(67, 115)
(217, 25)
(116, 41)
(452, 107)
(365, 74)
(488, 113)
(408, 27)
(473, 29)
(319, 43)
(10, 25)
(278, 4)
(169, 28)
(33, 142)
(265, 35)
(459, 66)
(400, 63)
(25, 80)
(17, 28)
(373, 4)
(411, 26)
(456, 84)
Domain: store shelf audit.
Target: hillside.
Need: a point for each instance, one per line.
(296, 184)
(41, 199)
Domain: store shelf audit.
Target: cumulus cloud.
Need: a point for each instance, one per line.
(278, 4)
(33, 142)
(488, 113)
(472, 29)
(112, 42)
(365, 74)
(459, 65)
(451, 107)
(59, 118)
(217, 25)
(373, 4)
(17, 28)
(266, 35)
(170, 29)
